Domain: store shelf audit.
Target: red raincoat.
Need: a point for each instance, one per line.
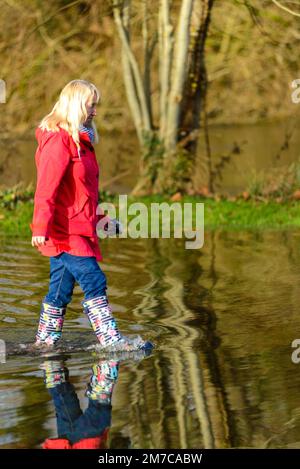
(66, 195)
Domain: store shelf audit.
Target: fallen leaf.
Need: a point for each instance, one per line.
(296, 195)
(176, 197)
(246, 195)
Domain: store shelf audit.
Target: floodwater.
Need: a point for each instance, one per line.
(222, 318)
(239, 154)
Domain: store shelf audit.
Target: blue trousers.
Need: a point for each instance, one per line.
(65, 270)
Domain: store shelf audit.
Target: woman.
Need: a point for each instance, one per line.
(64, 219)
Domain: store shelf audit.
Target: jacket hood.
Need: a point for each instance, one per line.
(43, 136)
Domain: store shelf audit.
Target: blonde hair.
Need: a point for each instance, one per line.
(69, 112)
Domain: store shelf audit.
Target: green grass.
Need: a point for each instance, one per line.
(16, 221)
(251, 214)
(223, 214)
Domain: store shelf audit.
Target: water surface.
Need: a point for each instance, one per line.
(223, 319)
(239, 154)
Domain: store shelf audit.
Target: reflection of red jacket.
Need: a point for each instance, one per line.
(66, 195)
(97, 442)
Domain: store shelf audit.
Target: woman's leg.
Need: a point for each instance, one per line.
(66, 402)
(85, 270)
(97, 417)
(61, 284)
(92, 280)
(54, 304)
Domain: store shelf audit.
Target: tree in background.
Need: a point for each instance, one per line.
(250, 57)
(169, 142)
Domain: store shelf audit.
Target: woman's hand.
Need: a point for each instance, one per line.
(38, 241)
(113, 227)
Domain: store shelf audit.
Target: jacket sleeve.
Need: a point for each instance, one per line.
(51, 167)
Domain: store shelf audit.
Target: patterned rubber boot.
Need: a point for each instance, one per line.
(105, 375)
(105, 327)
(55, 373)
(50, 325)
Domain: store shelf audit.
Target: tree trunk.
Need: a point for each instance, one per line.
(168, 150)
(178, 75)
(134, 82)
(165, 41)
(196, 86)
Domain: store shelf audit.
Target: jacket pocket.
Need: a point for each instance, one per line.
(83, 220)
(78, 207)
(78, 219)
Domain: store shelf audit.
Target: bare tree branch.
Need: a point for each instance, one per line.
(55, 43)
(286, 8)
(147, 59)
(133, 64)
(129, 81)
(69, 5)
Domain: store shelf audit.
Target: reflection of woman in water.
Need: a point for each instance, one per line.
(64, 219)
(77, 429)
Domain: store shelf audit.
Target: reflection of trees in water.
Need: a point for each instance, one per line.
(193, 392)
(180, 391)
(27, 423)
(222, 371)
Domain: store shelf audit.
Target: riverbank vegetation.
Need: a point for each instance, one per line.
(243, 212)
(184, 65)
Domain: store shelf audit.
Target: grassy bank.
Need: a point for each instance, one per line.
(16, 213)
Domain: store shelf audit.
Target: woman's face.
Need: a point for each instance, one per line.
(91, 109)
